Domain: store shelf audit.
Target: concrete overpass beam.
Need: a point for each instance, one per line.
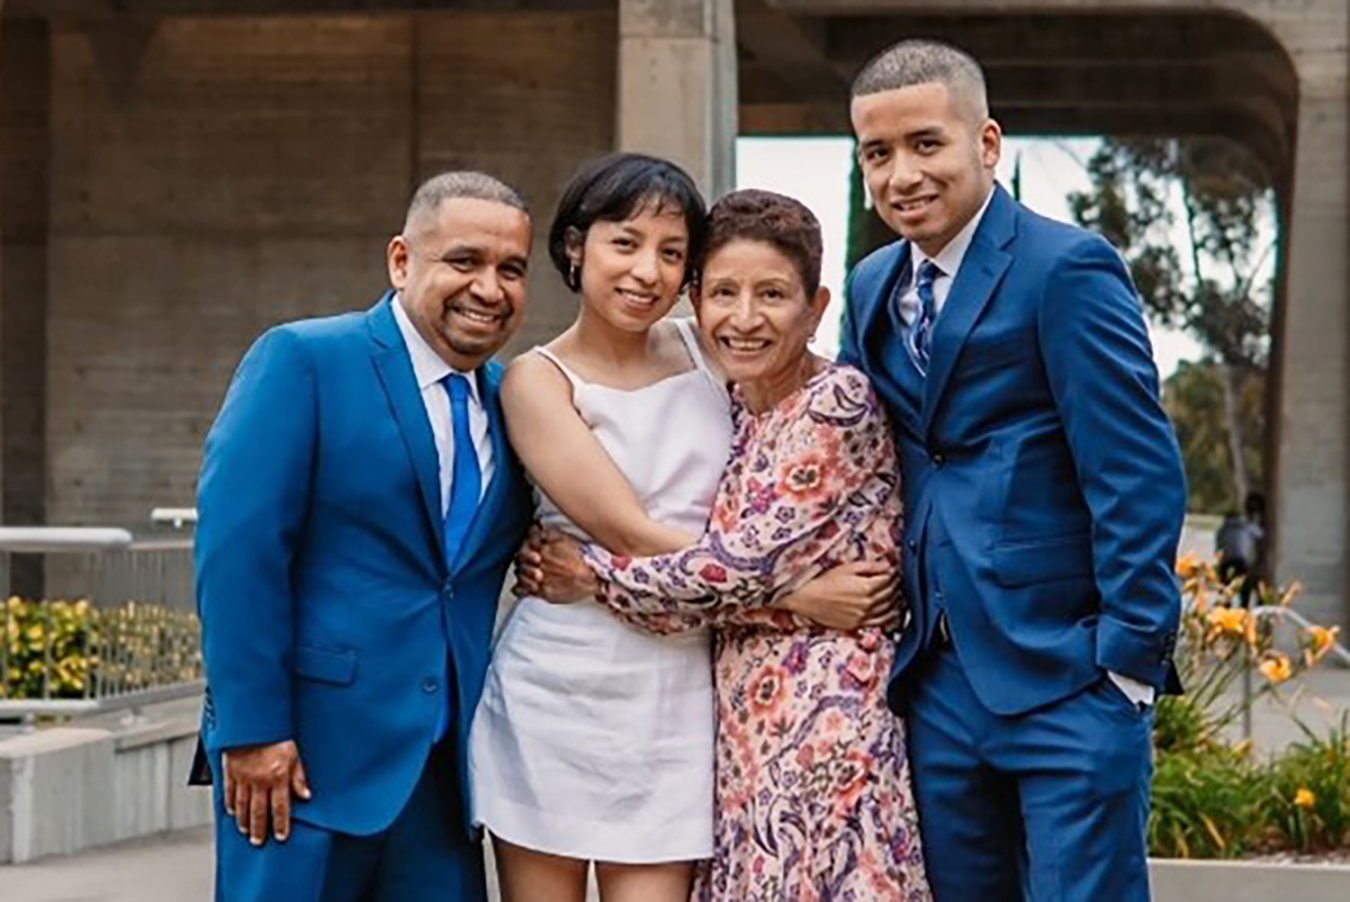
(677, 85)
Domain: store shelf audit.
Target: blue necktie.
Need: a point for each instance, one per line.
(466, 483)
(466, 479)
(921, 331)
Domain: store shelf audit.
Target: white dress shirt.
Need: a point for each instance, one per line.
(948, 262)
(429, 369)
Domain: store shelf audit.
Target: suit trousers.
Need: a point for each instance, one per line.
(423, 856)
(1046, 806)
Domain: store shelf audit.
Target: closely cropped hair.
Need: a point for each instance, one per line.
(438, 189)
(617, 187)
(919, 62)
(784, 223)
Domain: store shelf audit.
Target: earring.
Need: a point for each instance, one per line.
(573, 276)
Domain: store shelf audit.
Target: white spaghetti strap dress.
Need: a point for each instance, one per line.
(593, 739)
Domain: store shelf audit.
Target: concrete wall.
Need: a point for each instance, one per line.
(73, 788)
(24, 123)
(211, 177)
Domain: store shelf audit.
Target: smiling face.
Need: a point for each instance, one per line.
(632, 271)
(928, 161)
(754, 312)
(460, 276)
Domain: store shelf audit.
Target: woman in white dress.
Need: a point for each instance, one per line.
(594, 740)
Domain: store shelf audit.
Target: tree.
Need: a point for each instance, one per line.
(1194, 398)
(1214, 284)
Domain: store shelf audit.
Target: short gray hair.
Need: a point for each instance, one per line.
(922, 62)
(438, 189)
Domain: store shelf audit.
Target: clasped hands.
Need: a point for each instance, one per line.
(849, 597)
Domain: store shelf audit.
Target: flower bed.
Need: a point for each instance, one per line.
(73, 649)
(1215, 798)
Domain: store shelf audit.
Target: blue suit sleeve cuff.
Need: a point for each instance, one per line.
(1139, 654)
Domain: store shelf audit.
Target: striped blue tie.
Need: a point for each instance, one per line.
(921, 332)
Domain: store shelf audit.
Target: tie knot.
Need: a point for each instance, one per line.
(458, 386)
(928, 273)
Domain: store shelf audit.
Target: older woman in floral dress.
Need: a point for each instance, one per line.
(813, 793)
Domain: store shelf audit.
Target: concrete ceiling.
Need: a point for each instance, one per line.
(1066, 73)
(1063, 72)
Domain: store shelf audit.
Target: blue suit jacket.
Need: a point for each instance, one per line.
(328, 609)
(1044, 489)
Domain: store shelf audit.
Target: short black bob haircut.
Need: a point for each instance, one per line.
(616, 187)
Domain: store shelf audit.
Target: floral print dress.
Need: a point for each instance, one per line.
(813, 793)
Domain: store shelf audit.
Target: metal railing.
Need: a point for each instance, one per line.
(114, 627)
(1281, 616)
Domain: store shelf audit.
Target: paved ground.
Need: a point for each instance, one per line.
(172, 868)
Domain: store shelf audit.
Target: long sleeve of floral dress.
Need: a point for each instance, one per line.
(801, 493)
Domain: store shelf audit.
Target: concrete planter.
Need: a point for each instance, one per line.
(68, 789)
(1248, 881)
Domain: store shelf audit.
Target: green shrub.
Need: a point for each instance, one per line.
(1207, 803)
(1309, 798)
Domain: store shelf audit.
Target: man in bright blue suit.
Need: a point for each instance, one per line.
(359, 506)
(1044, 501)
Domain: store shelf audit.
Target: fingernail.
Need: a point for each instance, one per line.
(254, 841)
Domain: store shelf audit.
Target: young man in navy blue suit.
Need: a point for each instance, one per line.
(1044, 501)
(359, 506)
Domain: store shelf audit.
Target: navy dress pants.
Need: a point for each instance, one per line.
(1047, 806)
(424, 855)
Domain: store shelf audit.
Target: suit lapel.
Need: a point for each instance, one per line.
(395, 370)
(490, 392)
(880, 343)
(981, 271)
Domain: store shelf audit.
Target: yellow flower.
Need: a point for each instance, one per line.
(1277, 668)
(1188, 566)
(1228, 620)
(1321, 641)
(1304, 798)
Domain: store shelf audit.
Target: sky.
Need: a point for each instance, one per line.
(815, 171)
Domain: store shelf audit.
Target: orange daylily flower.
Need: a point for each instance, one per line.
(1277, 668)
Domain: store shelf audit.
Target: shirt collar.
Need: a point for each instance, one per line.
(949, 258)
(428, 366)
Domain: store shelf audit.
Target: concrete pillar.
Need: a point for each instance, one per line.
(677, 86)
(24, 182)
(1312, 466)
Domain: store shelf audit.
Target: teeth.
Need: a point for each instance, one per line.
(478, 317)
(637, 298)
(745, 344)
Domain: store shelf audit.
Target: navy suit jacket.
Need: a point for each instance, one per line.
(328, 609)
(1044, 489)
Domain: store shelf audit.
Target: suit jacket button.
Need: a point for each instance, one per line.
(913, 545)
(430, 685)
(938, 461)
